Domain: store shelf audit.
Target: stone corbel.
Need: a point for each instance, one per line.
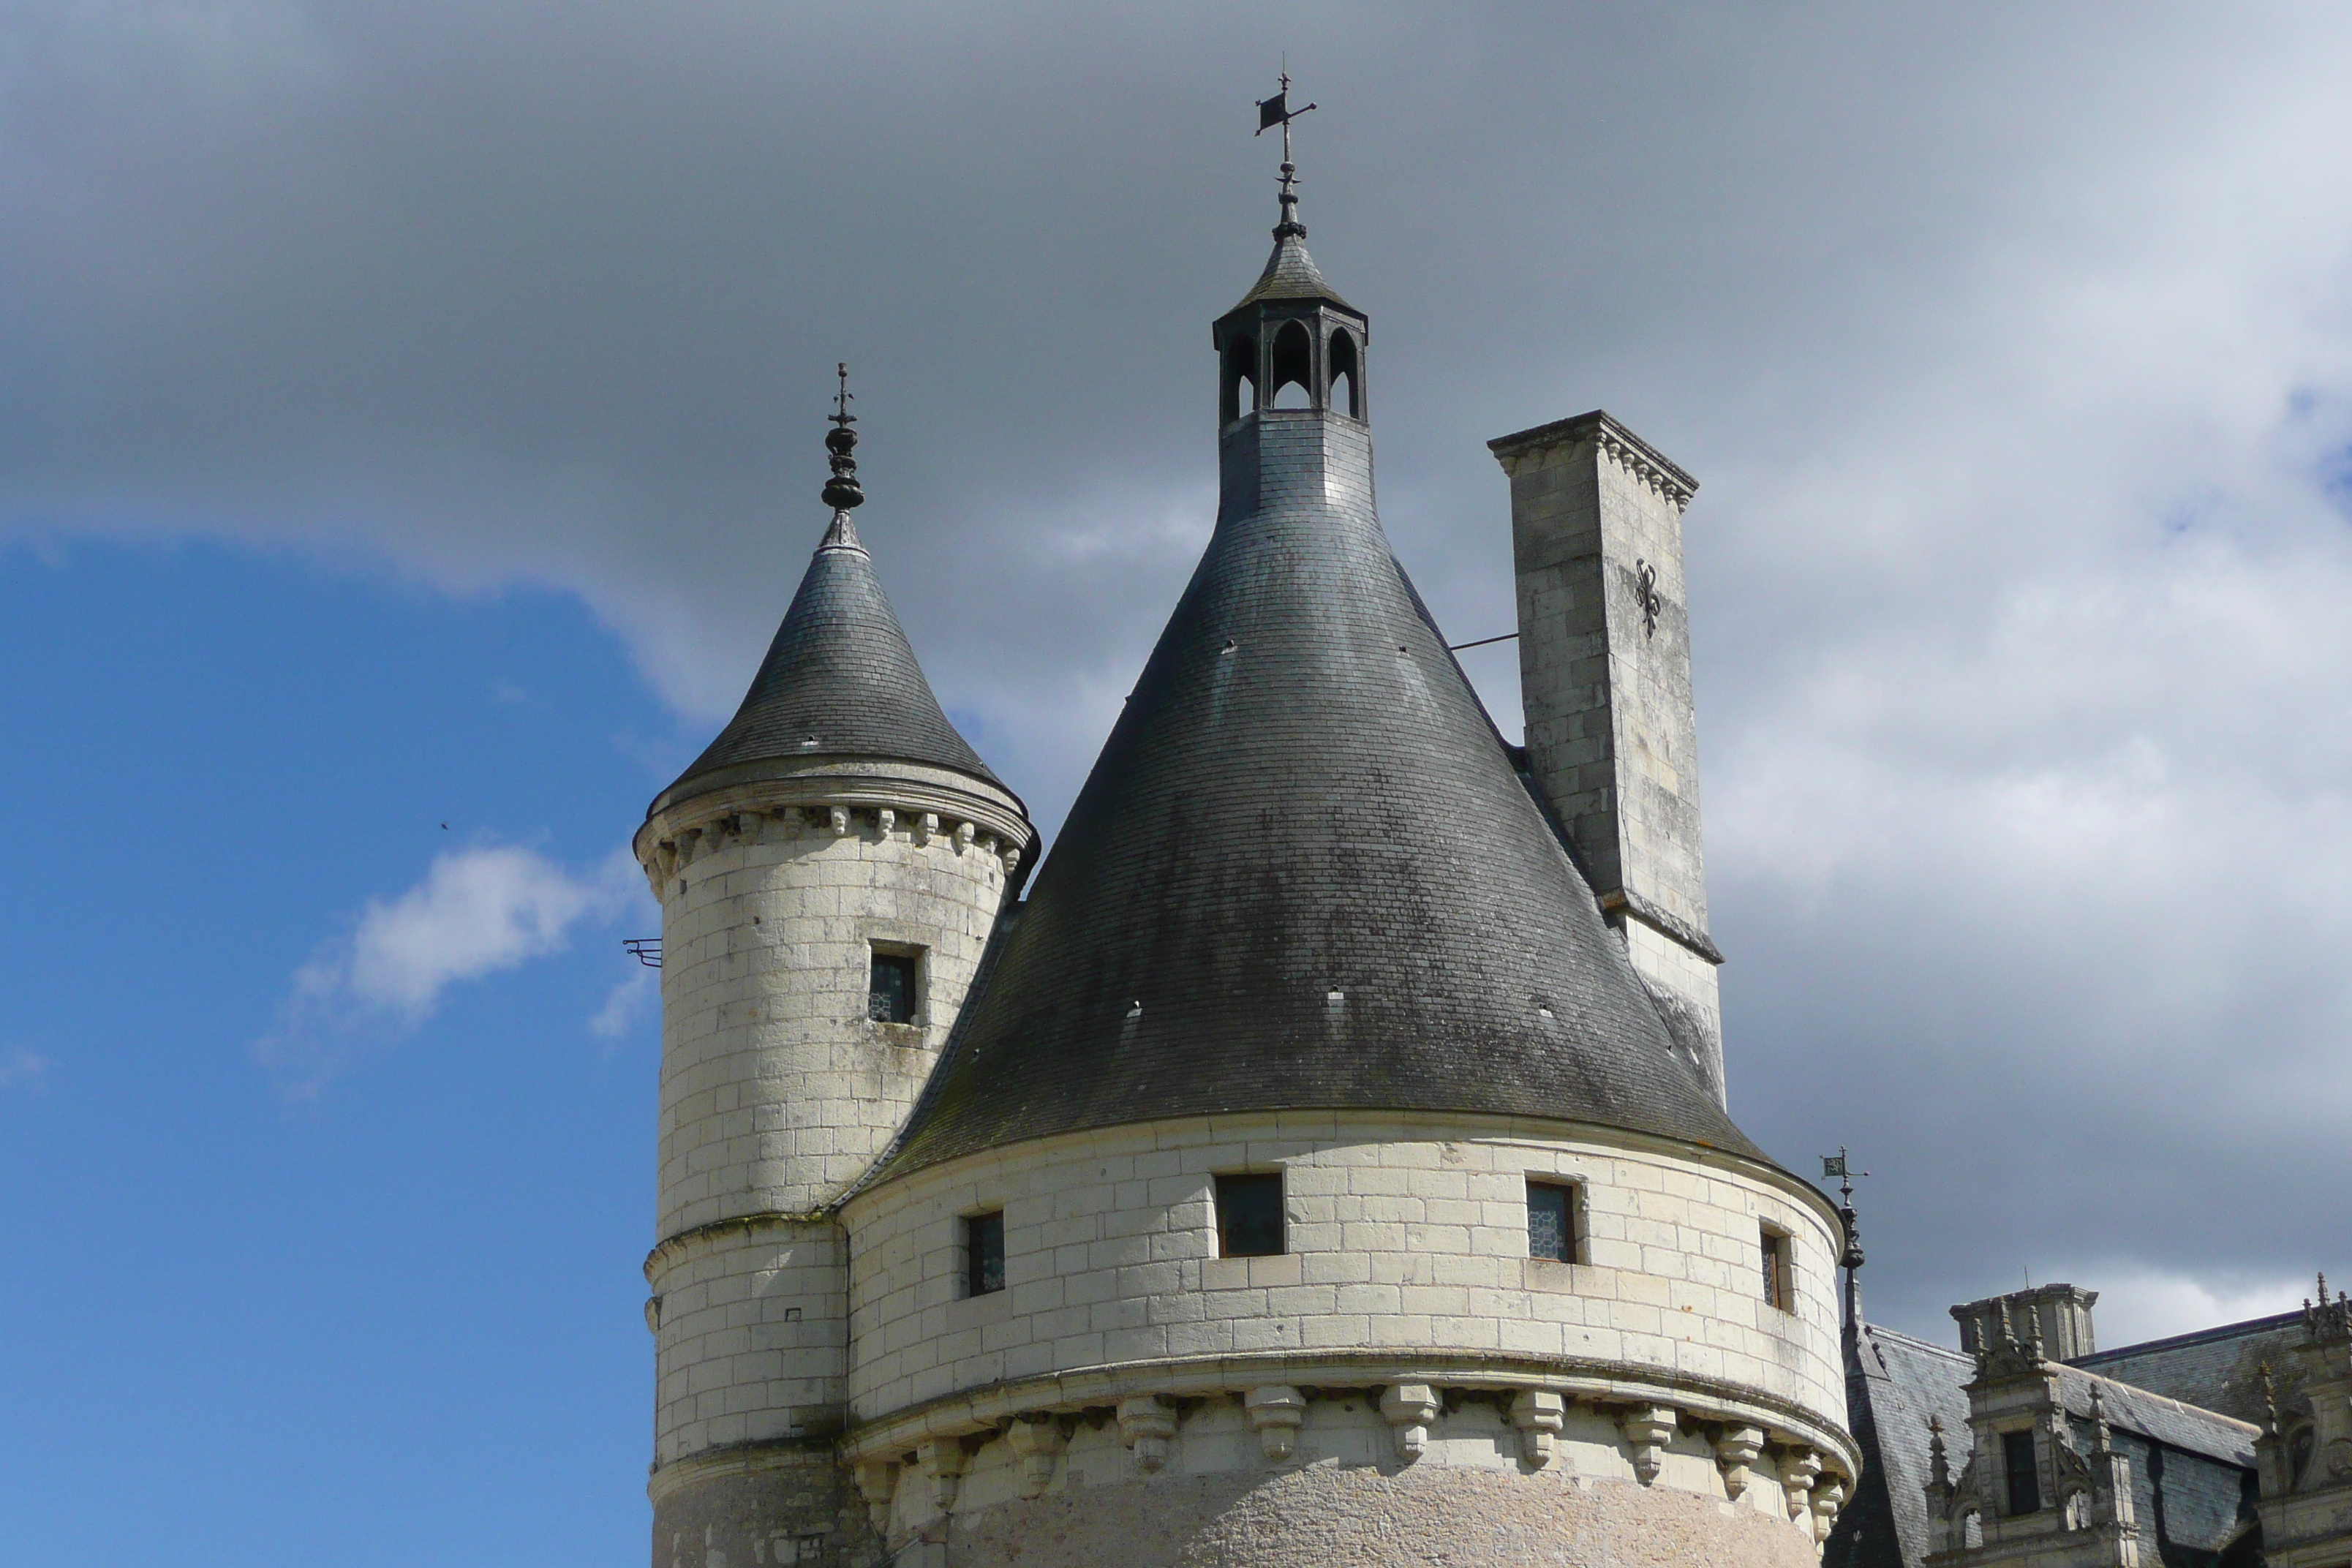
(752, 825)
(1799, 1469)
(1736, 1448)
(1539, 1417)
(884, 821)
(1827, 1498)
(1648, 1429)
(688, 841)
(1277, 1412)
(942, 1459)
(1037, 1439)
(964, 833)
(840, 815)
(927, 827)
(1012, 862)
(666, 857)
(877, 1482)
(1146, 1423)
(1409, 1408)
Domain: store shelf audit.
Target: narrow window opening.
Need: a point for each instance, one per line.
(1293, 368)
(984, 1254)
(1249, 1216)
(891, 987)
(1971, 1531)
(1779, 1288)
(2025, 1478)
(1240, 378)
(1552, 1230)
(1344, 374)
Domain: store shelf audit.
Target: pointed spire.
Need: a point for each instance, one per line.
(840, 679)
(1290, 273)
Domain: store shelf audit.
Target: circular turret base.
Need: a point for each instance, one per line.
(1336, 1516)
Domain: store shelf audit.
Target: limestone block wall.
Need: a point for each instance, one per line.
(1406, 1263)
(776, 1092)
(1605, 680)
(751, 1334)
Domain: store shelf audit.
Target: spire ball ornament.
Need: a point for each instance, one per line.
(842, 491)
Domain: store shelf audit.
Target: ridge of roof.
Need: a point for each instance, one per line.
(1305, 875)
(840, 679)
(1879, 1331)
(2198, 1337)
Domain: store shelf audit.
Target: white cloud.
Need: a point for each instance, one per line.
(626, 1004)
(478, 911)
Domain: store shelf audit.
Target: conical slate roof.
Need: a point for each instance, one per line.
(1291, 274)
(1304, 873)
(839, 679)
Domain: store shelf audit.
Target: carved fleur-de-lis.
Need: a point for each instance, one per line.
(1645, 594)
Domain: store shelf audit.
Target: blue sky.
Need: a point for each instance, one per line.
(412, 416)
(247, 1321)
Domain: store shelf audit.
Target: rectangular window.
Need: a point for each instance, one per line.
(1779, 1289)
(1551, 1222)
(2025, 1478)
(984, 1254)
(890, 988)
(1249, 1216)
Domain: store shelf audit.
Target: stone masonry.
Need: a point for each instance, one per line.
(1605, 676)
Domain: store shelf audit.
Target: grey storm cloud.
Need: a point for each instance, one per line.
(2011, 343)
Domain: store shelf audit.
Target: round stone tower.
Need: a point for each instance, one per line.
(1313, 1177)
(830, 872)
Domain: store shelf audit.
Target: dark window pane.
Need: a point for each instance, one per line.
(1776, 1270)
(1551, 1222)
(983, 1253)
(890, 989)
(2024, 1481)
(1249, 1215)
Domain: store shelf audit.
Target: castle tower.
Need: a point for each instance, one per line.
(830, 870)
(1312, 1176)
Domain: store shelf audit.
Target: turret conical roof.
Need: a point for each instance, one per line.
(1304, 872)
(840, 680)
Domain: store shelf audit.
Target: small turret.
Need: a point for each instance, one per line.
(830, 870)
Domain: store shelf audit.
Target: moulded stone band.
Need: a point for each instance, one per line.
(1609, 1385)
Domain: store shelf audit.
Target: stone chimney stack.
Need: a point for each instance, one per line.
(1605, 678)
(2057, 1315)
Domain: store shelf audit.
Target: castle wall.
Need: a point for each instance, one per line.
(1407, 1237)
(776, 1092)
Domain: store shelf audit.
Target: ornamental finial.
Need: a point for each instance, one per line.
(842, 491)
(1272, 112)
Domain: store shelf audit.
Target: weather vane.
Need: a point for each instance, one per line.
(1272, 112)
(1835, 1165)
